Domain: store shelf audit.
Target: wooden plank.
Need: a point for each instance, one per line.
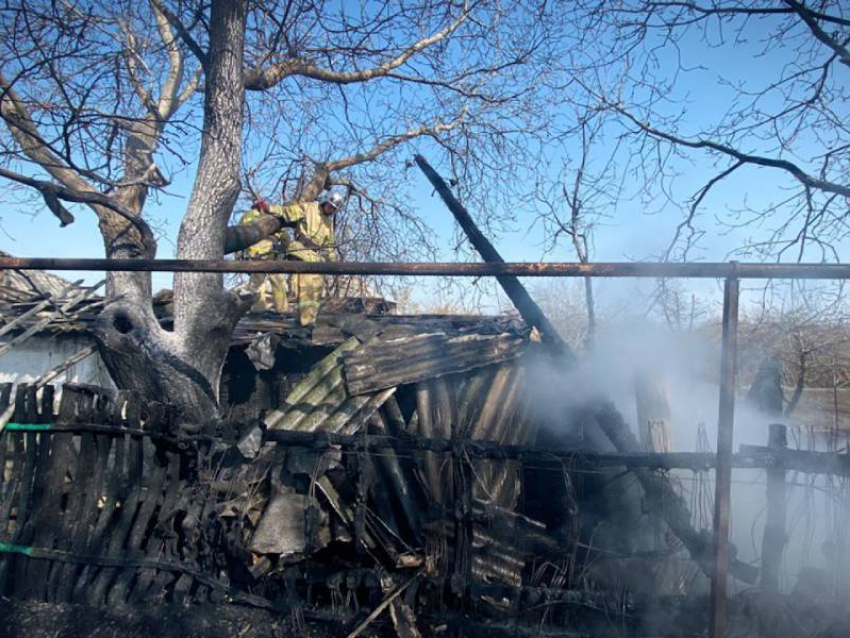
(62, 481)
(151, 583)
(21, 475)
(774, 539)
(81, 497)
(154, 467)
(132, 483)
(20, 319)
(165, 547)
(5, 400)
(70, 302)
(400, 361)
(192, 502)
(44, 504)
(71, 361)
(104, 492)
(112, 509)
(11, 460)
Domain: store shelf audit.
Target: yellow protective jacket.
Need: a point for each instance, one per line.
(313, 234)
(269, 247)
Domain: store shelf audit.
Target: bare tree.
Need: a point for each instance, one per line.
(104, 101)
(805, 331)
(782, 70)
(582, 195)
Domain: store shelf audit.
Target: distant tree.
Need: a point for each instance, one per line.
(806, 332)
(583, 193)
(784, 66)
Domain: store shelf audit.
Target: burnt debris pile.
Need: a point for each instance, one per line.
(402, 478)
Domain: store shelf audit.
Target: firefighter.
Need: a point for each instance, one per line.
(312, 224)
(271, 287)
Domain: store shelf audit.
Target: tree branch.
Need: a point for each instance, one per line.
(17, 117)
(183, 32)
(692, 211)
(131, 58)
(809, 17)
(262, 79)
(392, 142)
(721, 10)
(799, 174)
(54, 192)
(241, 236)
(168, 102)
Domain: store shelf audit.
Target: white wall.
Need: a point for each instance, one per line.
(39, 354)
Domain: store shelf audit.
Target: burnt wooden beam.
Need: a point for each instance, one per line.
(662, 498)
(708, 270)
(409, 359)
(774, 539)
(516, 292)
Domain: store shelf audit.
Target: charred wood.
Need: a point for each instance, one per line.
(666, 500)
(404, 360)
(516, 292)
(751, 456)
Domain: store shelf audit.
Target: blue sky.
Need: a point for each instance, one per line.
(633, 230)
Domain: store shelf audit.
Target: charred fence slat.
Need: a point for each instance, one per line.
(88, 499)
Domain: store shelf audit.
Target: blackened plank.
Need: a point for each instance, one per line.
(150, 502)
(132, 487)
(43, 506)
(65, 459)
(104, 490)
(82, 496)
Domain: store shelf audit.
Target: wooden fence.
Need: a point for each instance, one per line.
(101, 503)
(95, 505)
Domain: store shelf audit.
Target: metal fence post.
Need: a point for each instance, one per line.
(723, 480)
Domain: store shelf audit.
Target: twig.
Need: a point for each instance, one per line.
(384, 604)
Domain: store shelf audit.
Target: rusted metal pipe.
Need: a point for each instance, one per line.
(723, 480)
(750, 457)
(706, 270)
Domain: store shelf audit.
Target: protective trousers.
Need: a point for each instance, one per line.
(309, 289)
(271, 288)
(271, 292)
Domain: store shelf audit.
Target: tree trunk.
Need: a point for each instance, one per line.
(183, 367)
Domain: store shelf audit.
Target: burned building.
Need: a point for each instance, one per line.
(377, 474)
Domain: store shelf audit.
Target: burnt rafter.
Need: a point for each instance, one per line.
(391, 362)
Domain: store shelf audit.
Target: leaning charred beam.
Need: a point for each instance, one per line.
(515, 291)
(664, 499)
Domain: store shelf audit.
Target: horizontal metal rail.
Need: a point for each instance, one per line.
(708, 270)
(750, 456)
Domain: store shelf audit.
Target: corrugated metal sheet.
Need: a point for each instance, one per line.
(399, 361)
(332, 328)
(481, 405)
(24, 286)
(321, 402)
